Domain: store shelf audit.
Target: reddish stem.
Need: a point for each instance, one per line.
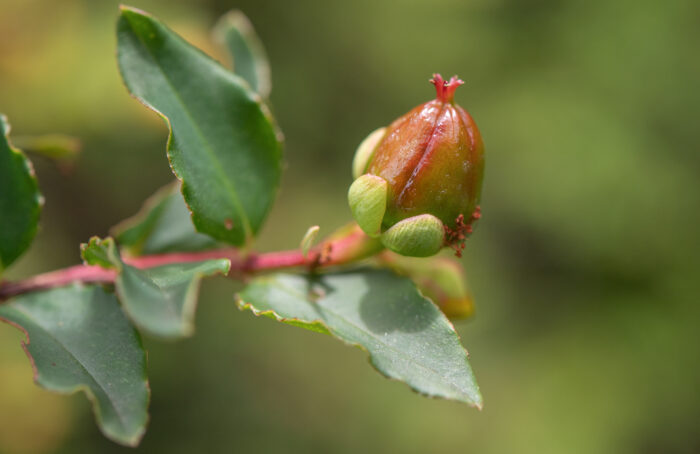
(58, 278)
(352, 246)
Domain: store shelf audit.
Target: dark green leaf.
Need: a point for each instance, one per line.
(20, 200)
(407, 337)
(163, 225)
(78, 339)
(160, 300)
(235, 32)
(223, 145)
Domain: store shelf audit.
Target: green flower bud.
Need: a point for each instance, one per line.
(365, 151)
(419, 236)
(432, 160)
(367, 198)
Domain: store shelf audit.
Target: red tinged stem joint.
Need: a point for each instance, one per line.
(426, 166)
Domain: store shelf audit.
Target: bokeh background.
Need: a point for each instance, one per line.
(585, 266)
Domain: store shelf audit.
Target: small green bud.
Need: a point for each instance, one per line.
(367, 198)
(418, 236)
(308, 240)
(365, 151)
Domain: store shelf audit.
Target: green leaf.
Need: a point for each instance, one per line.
(235, 32)
(223, 145)
(407, 337)
(20, 200)
(160, 300)
(102, 253)
(78, 339)
(163, 225)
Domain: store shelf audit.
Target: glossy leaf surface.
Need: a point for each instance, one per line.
(223, 145)
(406, 335)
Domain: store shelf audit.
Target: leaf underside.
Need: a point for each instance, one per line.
(223, 145)
(163, 225)
(406, 335)
(20, 200)
(78, 339)
(161, 300)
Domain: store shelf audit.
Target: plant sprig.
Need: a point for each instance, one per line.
(83, 323)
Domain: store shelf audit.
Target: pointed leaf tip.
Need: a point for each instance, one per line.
(236, 33)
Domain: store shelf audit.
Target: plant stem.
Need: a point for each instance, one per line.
(349, 246)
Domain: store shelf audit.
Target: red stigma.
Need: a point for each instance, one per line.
(445, 89)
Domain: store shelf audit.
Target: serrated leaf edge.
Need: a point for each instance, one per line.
(316, 326)
(243, 305)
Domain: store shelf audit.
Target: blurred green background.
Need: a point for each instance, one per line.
(585, 266)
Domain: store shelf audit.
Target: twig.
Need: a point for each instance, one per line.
(351, 247)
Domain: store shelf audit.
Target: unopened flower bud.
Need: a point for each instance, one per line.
(432, 161)
(365, 151)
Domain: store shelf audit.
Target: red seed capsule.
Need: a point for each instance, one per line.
(432, 159)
